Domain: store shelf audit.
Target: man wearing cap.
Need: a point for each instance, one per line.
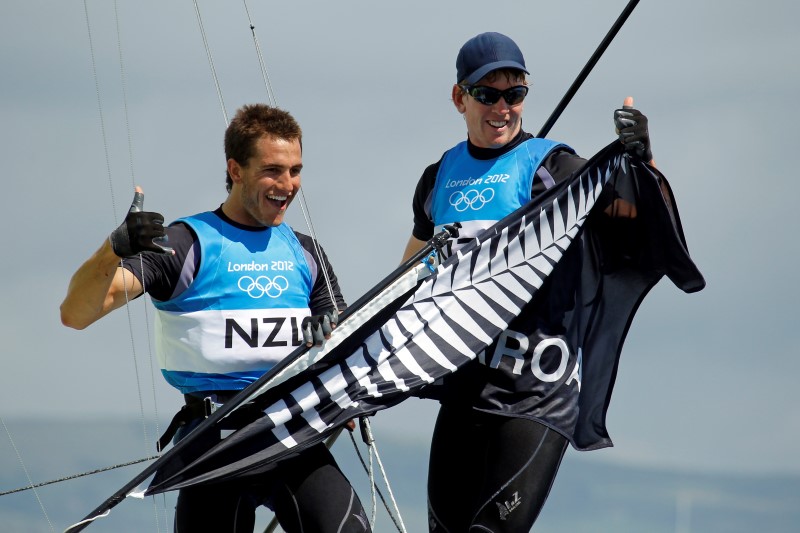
(487, 471)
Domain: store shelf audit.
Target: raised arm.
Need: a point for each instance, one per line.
(97, 288)
(101, 284)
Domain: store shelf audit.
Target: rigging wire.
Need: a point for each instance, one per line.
(317, 247)
(271, 97)
(27, 475)
(128, 130)
(109, 173)
(211, 62)
(303, 203)
(124, 85)
(324, 267)
(131, 159)
(34, 486)
(113, 206)
(264, 75)
(100, 109)
(252, 29)
(135, 357)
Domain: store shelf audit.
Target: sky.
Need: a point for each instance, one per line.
(706, 380)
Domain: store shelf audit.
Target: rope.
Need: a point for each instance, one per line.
(134, 355)
(373, 491)
(273, 101)
(304, 209)
(395, 519)
(324, 267)
(303, 203)
(317, 247)
(74, 476)
(123, 80)
(211, 62)
(264, 75)
(27, 475)
(100, 109)
(109, 174)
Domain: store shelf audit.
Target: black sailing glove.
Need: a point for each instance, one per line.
(632, 129)
(140, 231)
(317, 328)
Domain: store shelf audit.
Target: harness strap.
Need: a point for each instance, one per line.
(189, 412)
(197, 407)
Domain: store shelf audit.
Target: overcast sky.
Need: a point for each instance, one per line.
(707, 380)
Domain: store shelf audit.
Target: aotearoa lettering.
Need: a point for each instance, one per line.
(516, 346)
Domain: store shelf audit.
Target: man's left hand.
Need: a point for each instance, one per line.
(631, 126)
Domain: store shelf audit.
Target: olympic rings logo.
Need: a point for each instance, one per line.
(471, 199)
(258, 287)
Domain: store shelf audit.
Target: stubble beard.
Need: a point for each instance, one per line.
(252, 206)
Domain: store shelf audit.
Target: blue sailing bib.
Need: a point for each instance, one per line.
(241, 314)
(478, 192)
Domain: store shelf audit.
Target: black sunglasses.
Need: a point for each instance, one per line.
(490, 95)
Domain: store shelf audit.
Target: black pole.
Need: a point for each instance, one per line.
(587, 68)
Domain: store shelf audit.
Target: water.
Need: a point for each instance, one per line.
(589, 496)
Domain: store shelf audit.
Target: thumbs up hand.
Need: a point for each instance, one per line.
(631, 126)
(142, 231)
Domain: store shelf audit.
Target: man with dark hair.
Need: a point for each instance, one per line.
(236, 290)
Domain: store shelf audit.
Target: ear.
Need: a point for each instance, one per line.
(234, 171)
(458, 99)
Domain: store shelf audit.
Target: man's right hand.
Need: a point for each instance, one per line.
(317, 328)
(140, 231)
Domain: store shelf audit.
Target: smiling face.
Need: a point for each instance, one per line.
(265, 186)
(491, 126)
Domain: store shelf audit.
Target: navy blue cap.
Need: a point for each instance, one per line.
(487, 52)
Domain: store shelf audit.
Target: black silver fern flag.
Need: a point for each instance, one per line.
(428, 330)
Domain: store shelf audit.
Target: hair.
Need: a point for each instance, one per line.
(251, 123)
(511, 74)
